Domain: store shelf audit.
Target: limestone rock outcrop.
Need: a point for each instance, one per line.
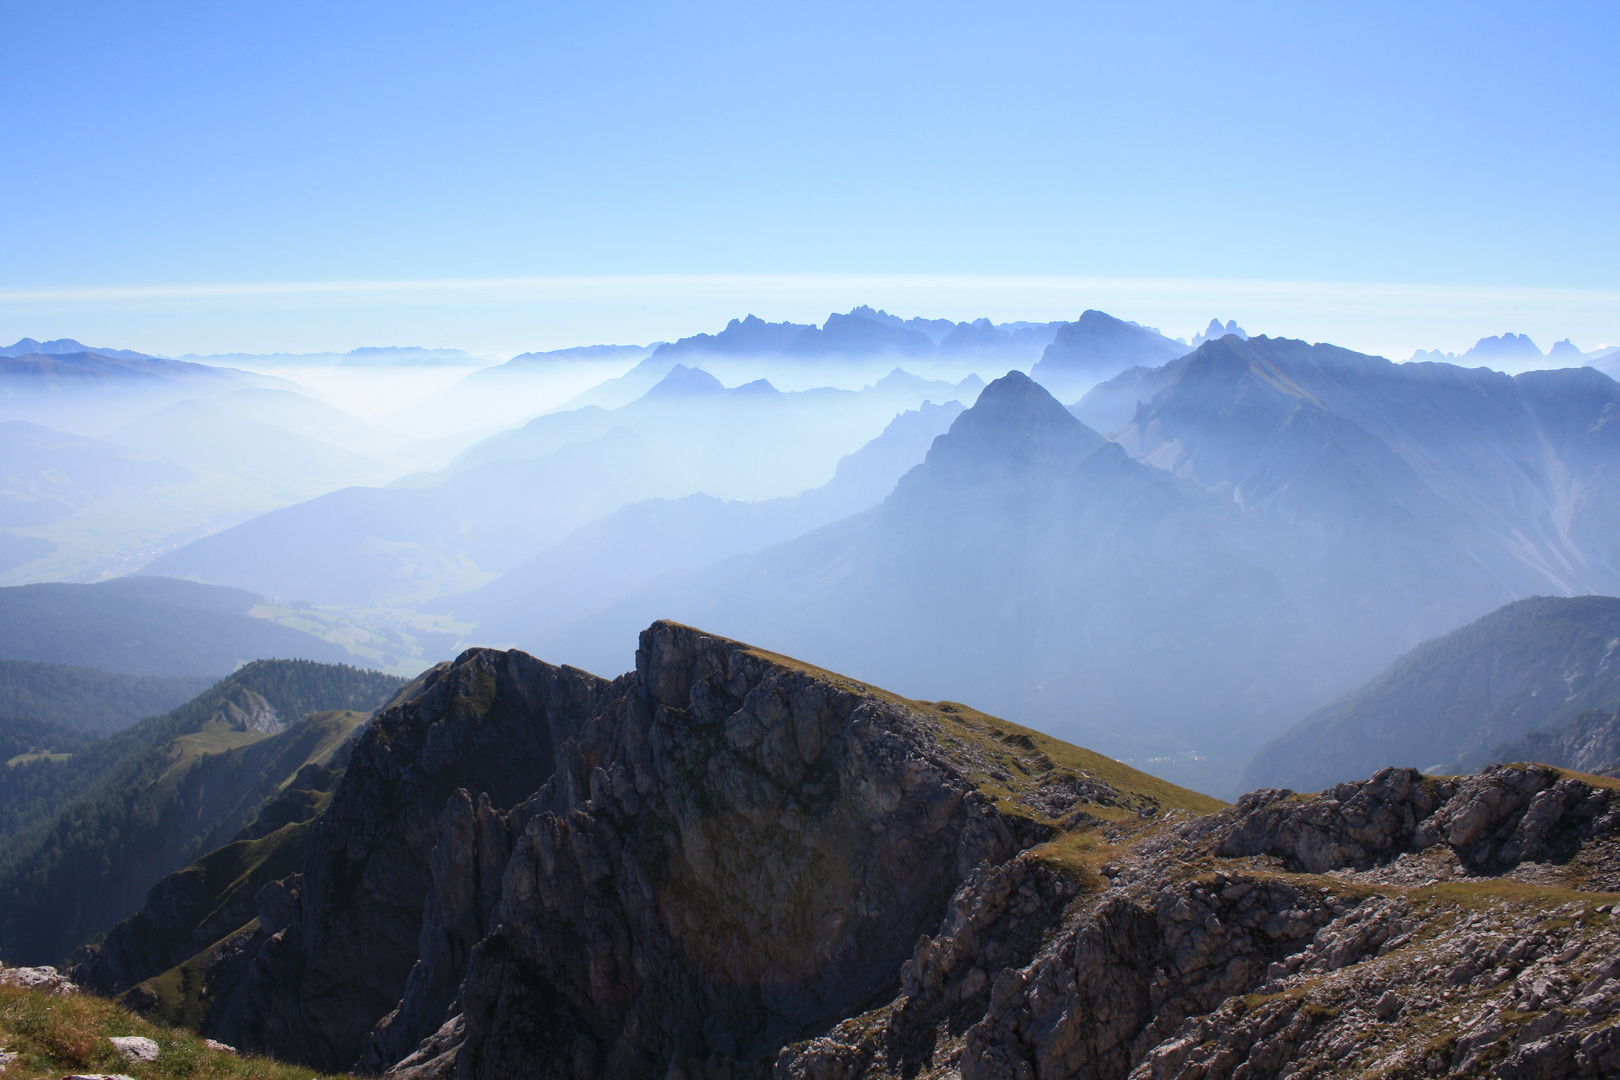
(729, 865)
(734, 851)
(335, 946)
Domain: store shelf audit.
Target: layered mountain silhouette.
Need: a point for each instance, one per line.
(1096, 347)
(514, 495)
(82, 390)
(1459, 482)
(601, 563)
(1298, 515)
(1029, 562)
(67, 346)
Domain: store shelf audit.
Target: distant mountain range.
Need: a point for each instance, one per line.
(92, 390)
(1098, 347)
(67, 346)
(514, 495)
(1516, 351)
(1295, 517)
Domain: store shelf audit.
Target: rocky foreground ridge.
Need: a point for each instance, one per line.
(727, 864)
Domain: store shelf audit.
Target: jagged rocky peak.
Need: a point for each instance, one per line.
(729, 864)
(749, 847)
(247, 710)
(527, 870)
(1215, 331)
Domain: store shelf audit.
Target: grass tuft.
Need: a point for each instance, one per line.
(53, 1036)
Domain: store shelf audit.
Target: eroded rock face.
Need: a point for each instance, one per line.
(336, 946)
(247, 710)
(729, 866)
(467, 865)
(1280, 938)
(1492, 820)
(734, 851)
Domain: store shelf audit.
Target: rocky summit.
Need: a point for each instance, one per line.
(728, 864)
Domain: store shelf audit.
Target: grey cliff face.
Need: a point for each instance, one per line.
(335, 948)
(728, 864)
(1287, 936)
(1491, 821)
(735, 850)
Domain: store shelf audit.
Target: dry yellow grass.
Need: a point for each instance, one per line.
(54, 1036)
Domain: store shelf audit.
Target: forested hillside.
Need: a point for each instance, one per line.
(144, 811)
(88, 700)
(52, 720)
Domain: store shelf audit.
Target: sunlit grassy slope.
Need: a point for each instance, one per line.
(57, 1036)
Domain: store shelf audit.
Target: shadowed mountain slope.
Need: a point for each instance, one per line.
(90, 701)
(1450, 703)
(1590, 744)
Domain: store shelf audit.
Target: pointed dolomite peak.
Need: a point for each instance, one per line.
(1015, 425)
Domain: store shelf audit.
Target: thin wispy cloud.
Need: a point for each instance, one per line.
(618, 285)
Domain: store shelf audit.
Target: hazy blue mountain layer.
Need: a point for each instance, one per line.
(601, 563)
(28, 346)
(1098, 346)
(146, 626)
(1470, 486)
(50, 475)
(1031, 564)
(1332, 510)
(223, 437)
(1451, 703)
(512, 496)
(86, 391)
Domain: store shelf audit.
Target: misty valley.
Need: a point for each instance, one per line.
(889, 697)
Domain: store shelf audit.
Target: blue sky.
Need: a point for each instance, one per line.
(190, 150)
